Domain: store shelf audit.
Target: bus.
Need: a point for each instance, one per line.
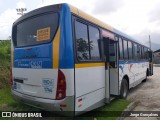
(65, 60)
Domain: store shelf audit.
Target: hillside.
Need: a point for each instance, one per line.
(4, 63)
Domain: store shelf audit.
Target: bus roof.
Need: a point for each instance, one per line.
(100, 23)
(80, 13)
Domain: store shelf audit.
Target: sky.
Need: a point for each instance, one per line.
(137, 18)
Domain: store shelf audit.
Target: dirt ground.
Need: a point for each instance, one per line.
(147, 94)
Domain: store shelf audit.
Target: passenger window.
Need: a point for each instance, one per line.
(93, 41)
(125, 49)
(82, 45)
(139, 52)
(135, 50)
(142, 52)
(130, 50)
(120, 49)
(145, 53)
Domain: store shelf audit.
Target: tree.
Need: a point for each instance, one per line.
(83, 49)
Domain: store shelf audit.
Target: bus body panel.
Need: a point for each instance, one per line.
(35, 68)
(35, 82)
(89, 79)
(46, 104)
(66, 55)
(90, 101)
(25, 57)
(136, 71)
(89, 84)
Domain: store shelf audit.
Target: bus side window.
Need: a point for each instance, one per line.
(125, 49)
(146, 53)
(142, 52)
(82, 45)
(120, 49)
(113, 53)
(130, 50)
(135, 51)
(93, 41)
(138, 52)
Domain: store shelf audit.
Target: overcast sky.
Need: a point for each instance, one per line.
(137, 18)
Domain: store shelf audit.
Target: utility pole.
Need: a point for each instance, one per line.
(20, 11)
(149, 41)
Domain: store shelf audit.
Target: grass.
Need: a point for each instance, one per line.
(5, 47)
(110, 111)
(4, 73)
(4, 63)
(7, 103)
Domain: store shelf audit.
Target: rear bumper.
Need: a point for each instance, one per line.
(46, 104)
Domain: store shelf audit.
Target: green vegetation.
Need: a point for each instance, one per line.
(7, 103)
(113, 110)
(4, 63)
(5, 48)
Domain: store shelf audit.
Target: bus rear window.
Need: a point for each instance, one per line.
(37, 30)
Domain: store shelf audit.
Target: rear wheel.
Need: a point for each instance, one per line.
(146, 76)
(124, 89)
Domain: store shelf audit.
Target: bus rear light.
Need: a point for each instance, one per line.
(61, 86)
(11, 80)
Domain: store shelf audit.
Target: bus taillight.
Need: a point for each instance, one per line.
(61, 86)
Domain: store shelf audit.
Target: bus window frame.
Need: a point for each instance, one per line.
(83, 21)
(119, 49)
(130, 59)
(125, 59)
(31, 17)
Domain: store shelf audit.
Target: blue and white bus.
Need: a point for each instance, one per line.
(66, 60)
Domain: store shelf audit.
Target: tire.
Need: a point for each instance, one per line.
(146, 77)
(124, 89)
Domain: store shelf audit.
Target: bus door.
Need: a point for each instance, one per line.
(111, 68)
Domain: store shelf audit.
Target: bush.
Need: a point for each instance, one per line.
(5, 47)
(4, 63)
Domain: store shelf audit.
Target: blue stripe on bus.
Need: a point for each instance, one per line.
(66, 55)
(131, 62)
(40, 56)
(34, 63)
(66, 58)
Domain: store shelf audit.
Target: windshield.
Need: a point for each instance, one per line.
(36, 30)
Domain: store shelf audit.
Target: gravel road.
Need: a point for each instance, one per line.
(147, 94)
